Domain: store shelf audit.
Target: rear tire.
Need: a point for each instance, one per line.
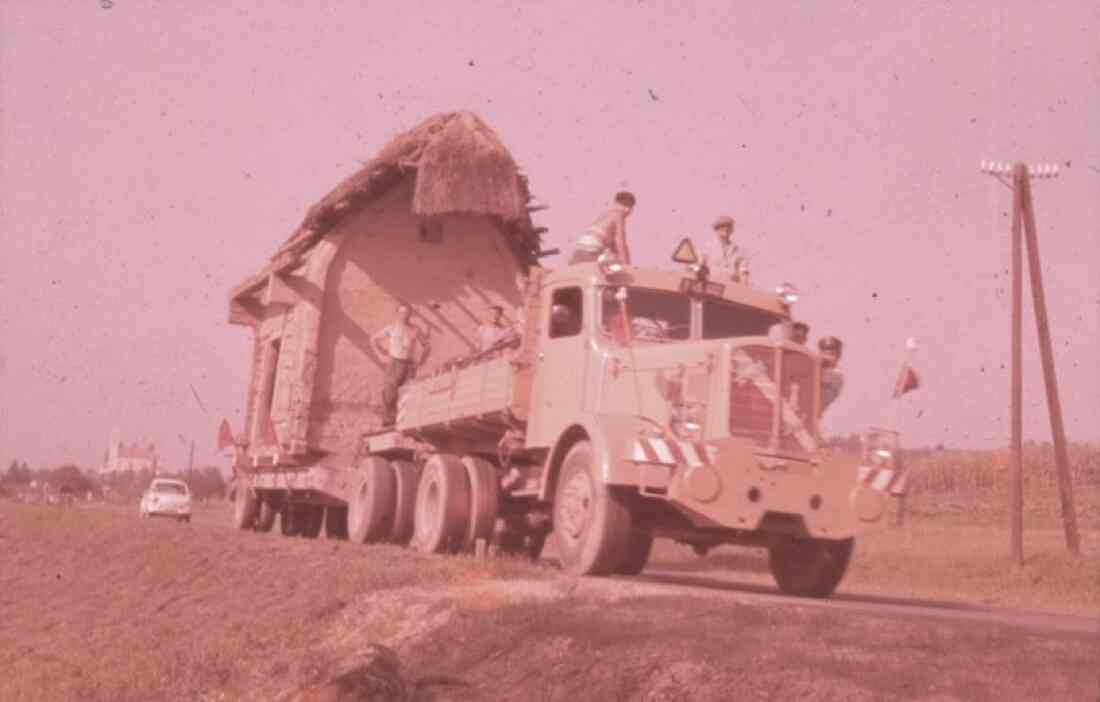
(245, 507)
(442, 506)
(591, 524)
(636, 552)
(290, 520)
(265, 519)
(336, 522)
(407, 476)
(809, 567)
(484, 500)
(372, 503)
(312, 517)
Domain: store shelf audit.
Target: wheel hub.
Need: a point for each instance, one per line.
(576, 505)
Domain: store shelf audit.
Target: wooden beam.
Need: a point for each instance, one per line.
(278, 291)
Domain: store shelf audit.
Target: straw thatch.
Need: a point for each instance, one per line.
(460, 166)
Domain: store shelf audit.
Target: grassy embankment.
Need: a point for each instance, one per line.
(96, 604)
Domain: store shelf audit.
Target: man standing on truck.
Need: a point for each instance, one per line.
(723, 257)
(396, 343)
(607, 233)
(832, 380)
(494, 331)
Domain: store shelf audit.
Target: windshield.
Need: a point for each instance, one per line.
(722, 320)
(655, 315)
(170, 488)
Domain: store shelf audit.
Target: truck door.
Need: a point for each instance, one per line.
(561, 366)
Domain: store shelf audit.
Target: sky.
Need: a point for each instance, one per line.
(155, 154)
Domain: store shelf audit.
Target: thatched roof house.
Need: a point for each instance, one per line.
(439, 219)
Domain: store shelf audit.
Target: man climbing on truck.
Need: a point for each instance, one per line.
(607, 233)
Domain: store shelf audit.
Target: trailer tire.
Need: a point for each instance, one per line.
(265, 518)
(371, 507)
(312, 517)
(244, 508)
(636, 552)
(484, 500)
(336, 522)
(591, 523)
(290, 520)
(442, 506)
(809, 567)
(407, 476)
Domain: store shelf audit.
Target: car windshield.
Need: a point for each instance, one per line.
(655, 315)
(722, 320)
(170, 489)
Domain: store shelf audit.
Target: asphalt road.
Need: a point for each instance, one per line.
(1059, 626)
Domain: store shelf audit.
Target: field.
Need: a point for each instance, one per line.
(96, 604)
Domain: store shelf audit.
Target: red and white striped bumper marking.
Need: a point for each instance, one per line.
(882, 479)
(673, 452)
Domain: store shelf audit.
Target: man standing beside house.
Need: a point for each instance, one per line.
(397, 343)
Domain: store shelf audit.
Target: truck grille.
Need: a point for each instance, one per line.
(753, 389)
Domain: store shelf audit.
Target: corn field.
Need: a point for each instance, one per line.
(961, 471)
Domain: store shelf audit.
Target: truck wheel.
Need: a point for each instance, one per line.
(312, 516)
(290, 520)
(590, 523)
(265, 520)
(809, 567)
(442, 506)
(407, 475)
(371, 507)
(244, 508)
(636, 553)
(484, 500)
(336, 522)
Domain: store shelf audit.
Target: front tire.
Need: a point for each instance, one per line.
(809, 567)
(265, 519)
(591, 524)
(636, 553)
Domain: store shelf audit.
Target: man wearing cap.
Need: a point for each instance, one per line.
(832, 380)
(494, 331)
(607, 233)
(722, 256)
(800, 332)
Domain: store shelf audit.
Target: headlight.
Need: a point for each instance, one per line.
(880, 447)
(787, 293)
(686, 422)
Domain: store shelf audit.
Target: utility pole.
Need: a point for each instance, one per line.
(1023, 213)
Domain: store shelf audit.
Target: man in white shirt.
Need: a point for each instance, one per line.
(397, 344)
(494, 331)
(725, 259)
(832, 380)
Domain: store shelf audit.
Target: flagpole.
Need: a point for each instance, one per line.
(895, 400)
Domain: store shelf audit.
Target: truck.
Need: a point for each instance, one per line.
(631, 405)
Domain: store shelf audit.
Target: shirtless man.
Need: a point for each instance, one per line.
(607, 233)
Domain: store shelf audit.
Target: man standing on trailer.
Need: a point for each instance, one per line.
(397, 344)
(724, 258)
(494, 331)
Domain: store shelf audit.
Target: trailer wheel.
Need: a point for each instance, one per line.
(407, 475)
(809, 567)
(484, 500)
(591, 524)
(290, 520)
(442, 506)
(636, 552)
(312, 517)
(244, 508)
(371, 507)
(265, 519)
(336, 522)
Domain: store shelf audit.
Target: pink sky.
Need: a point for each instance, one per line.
(153, 155)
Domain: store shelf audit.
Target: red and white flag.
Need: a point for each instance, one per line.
(907, 380)
(225, 436)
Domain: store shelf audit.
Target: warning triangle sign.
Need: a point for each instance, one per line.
(685, 252)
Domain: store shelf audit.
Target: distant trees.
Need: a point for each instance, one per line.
(18, 474)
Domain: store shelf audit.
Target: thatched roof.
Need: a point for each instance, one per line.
(460, 166)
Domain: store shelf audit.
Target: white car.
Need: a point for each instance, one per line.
(167, 498)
